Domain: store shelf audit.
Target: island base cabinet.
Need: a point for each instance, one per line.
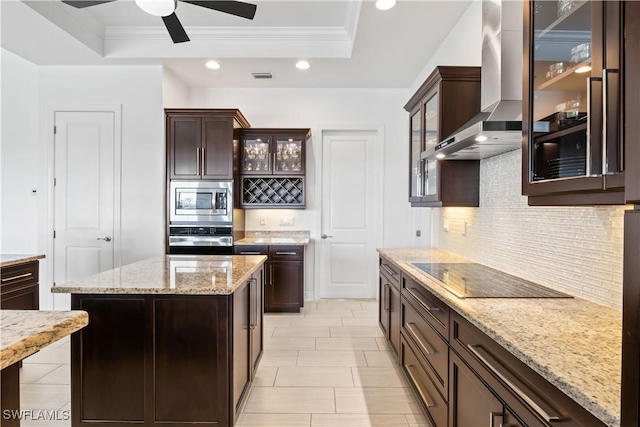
(10, 395)
(161, 359)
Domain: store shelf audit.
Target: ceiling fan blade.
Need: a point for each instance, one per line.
(237, 8)
(175, 28)
(85, 3)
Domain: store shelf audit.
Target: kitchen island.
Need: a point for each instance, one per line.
(173, 340)
(573, 344)
(22, 333)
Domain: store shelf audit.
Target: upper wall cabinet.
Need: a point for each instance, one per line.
(572, 106)
(446, 100)
(272, 168)
(200, 143)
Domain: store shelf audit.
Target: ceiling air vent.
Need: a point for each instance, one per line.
(262, 75)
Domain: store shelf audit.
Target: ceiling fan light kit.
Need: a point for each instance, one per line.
(166, 9)
(157, 7)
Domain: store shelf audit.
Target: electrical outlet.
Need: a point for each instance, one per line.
(418, 233)
(445, 224)
(263, 221)
(287, 220)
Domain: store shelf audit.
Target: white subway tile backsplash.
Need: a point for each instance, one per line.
(577, 250)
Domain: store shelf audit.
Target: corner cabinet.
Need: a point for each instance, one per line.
(272, 168)
(435, 112)
(200, 143)
(572, 103)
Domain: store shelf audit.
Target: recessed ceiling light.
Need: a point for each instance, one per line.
(302, 65)
(440, 156)
(583, 69)
(385, 4)
(213, 65)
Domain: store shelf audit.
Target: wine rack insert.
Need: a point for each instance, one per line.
(274, 192)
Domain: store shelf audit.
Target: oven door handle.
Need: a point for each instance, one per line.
(200, 241)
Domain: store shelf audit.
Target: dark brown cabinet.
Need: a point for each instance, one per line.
(174, 360)
(200, 143)
(283, 275)
(572, 103)
(19, 289)
(435, 112)
(272, 168)
(389, 310)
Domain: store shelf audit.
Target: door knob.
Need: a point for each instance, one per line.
(324, 236)
(106, 239)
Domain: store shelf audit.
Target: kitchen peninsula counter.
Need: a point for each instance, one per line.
(7, 260)
(173, 340)
(572, 343)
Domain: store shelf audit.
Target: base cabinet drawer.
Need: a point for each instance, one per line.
(437, 311)
(429, 344)
(19, 289)
(435, 405)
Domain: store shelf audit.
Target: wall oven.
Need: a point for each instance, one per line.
(201, 217)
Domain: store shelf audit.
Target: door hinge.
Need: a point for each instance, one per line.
(54, 234)
(55, 182)
(55, 130)
(54, 283)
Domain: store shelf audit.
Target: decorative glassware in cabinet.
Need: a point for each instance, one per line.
(564, 91)
(256, 156)
(288, 155)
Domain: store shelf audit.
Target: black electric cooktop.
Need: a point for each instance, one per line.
(470, 280)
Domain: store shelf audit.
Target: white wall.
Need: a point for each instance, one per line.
(175, 93)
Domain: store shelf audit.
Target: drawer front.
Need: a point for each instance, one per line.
(286, 253)
(19, 275)
(391, 271)
(437, 409)
(429, 344)
(434, 310)
(251, 250)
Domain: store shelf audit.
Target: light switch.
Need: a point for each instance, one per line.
(263, 221)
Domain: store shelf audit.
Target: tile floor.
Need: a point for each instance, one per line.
(328, 366)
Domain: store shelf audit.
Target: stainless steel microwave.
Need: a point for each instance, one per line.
(203, 202)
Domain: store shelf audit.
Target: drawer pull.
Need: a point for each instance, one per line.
(250, 253)
(476, 350)
(286, 253)
(417, 298)
(19, 276)
(424, 395)
(420, 339)
(386, 268)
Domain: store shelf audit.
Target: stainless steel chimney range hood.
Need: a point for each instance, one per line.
(498, 127)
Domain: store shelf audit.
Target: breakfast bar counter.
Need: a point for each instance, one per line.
(22, 333)
(572, 343)
(173, 340)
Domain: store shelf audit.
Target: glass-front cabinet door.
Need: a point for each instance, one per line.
(430, 181)
(431, 123)
(288, 155)
(256, 155)
(415, 174)
(573, 85)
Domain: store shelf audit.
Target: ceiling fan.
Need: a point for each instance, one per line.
(166, 10)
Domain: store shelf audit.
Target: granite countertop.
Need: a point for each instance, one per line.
(171, 274)
(274, 238)
(7, 260)
(23, 332)
(575, 344)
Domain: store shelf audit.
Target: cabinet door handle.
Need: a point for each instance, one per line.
(253, 315)
(271, 275)
(387, 297)
(386, 268)
(203, 163)
(605, 113)
(423, 394)
(420, 339)
(590, 134)
(286, 253)
(198, 162)
(19, 276)
(249, 253)
(477, 350)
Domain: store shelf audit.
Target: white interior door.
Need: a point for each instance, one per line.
(349, 214)
(84, 214)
